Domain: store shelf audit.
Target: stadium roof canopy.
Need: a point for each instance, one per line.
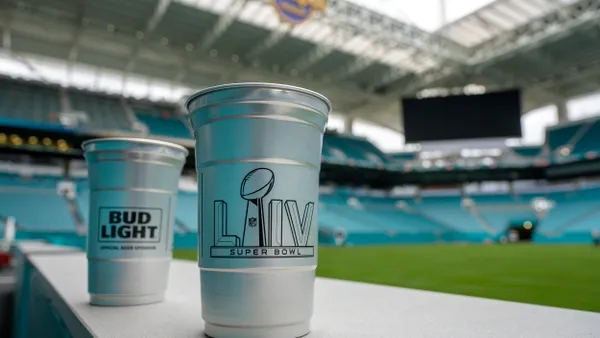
(362, 54)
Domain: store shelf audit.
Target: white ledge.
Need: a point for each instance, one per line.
(342, 310)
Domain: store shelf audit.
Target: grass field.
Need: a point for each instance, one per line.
(557, 275)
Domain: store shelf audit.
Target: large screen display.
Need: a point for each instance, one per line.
(491, 115)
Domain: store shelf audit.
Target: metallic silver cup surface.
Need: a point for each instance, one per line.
(133, 189)
(258, 157)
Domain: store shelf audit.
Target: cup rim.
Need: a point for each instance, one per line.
(236, 85)
(138, 140)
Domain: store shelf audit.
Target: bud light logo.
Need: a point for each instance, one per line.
(130, 225)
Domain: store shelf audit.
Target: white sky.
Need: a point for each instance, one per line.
(425, 14)
(535, 122)
(584, 106)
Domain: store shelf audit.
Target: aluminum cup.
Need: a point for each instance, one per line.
(258, 157)
(133, 190)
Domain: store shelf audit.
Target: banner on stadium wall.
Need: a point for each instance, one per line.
(297, 11)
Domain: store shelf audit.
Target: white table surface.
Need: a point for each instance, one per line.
(35, 247)
(342, 310)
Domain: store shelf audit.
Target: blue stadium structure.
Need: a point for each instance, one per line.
(347, 216)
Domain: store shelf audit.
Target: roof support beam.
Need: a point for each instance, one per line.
(225, 21)
(74, 49)
(553, 25)
(355, 67)
(6, 27)
(157, 15)
(382, 27)
(6, 39)
(275, 37)
(322, 50)
(159, 12)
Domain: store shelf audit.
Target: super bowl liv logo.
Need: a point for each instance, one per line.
(263, 232)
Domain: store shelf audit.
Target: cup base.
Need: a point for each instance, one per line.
(284, 331)
(125, 300)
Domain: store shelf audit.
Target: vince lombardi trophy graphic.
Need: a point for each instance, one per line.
(255, 186)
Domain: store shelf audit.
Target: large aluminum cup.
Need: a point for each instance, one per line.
(133, 190)
(258, 156)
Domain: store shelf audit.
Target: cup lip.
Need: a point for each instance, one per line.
(271, 85)
(138, 140)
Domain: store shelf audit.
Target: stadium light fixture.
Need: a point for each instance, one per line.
(32, 140)
(16, 140)
(3, 138)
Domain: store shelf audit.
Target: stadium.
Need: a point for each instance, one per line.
(462, 155)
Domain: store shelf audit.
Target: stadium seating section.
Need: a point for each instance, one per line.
(34, 203)
(580, 138)
(28, 102)
(161, 121)
(42, 104)
(104, 112)
(352, 216)
(344, 214)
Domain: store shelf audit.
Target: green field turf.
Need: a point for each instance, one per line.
(555, 275)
